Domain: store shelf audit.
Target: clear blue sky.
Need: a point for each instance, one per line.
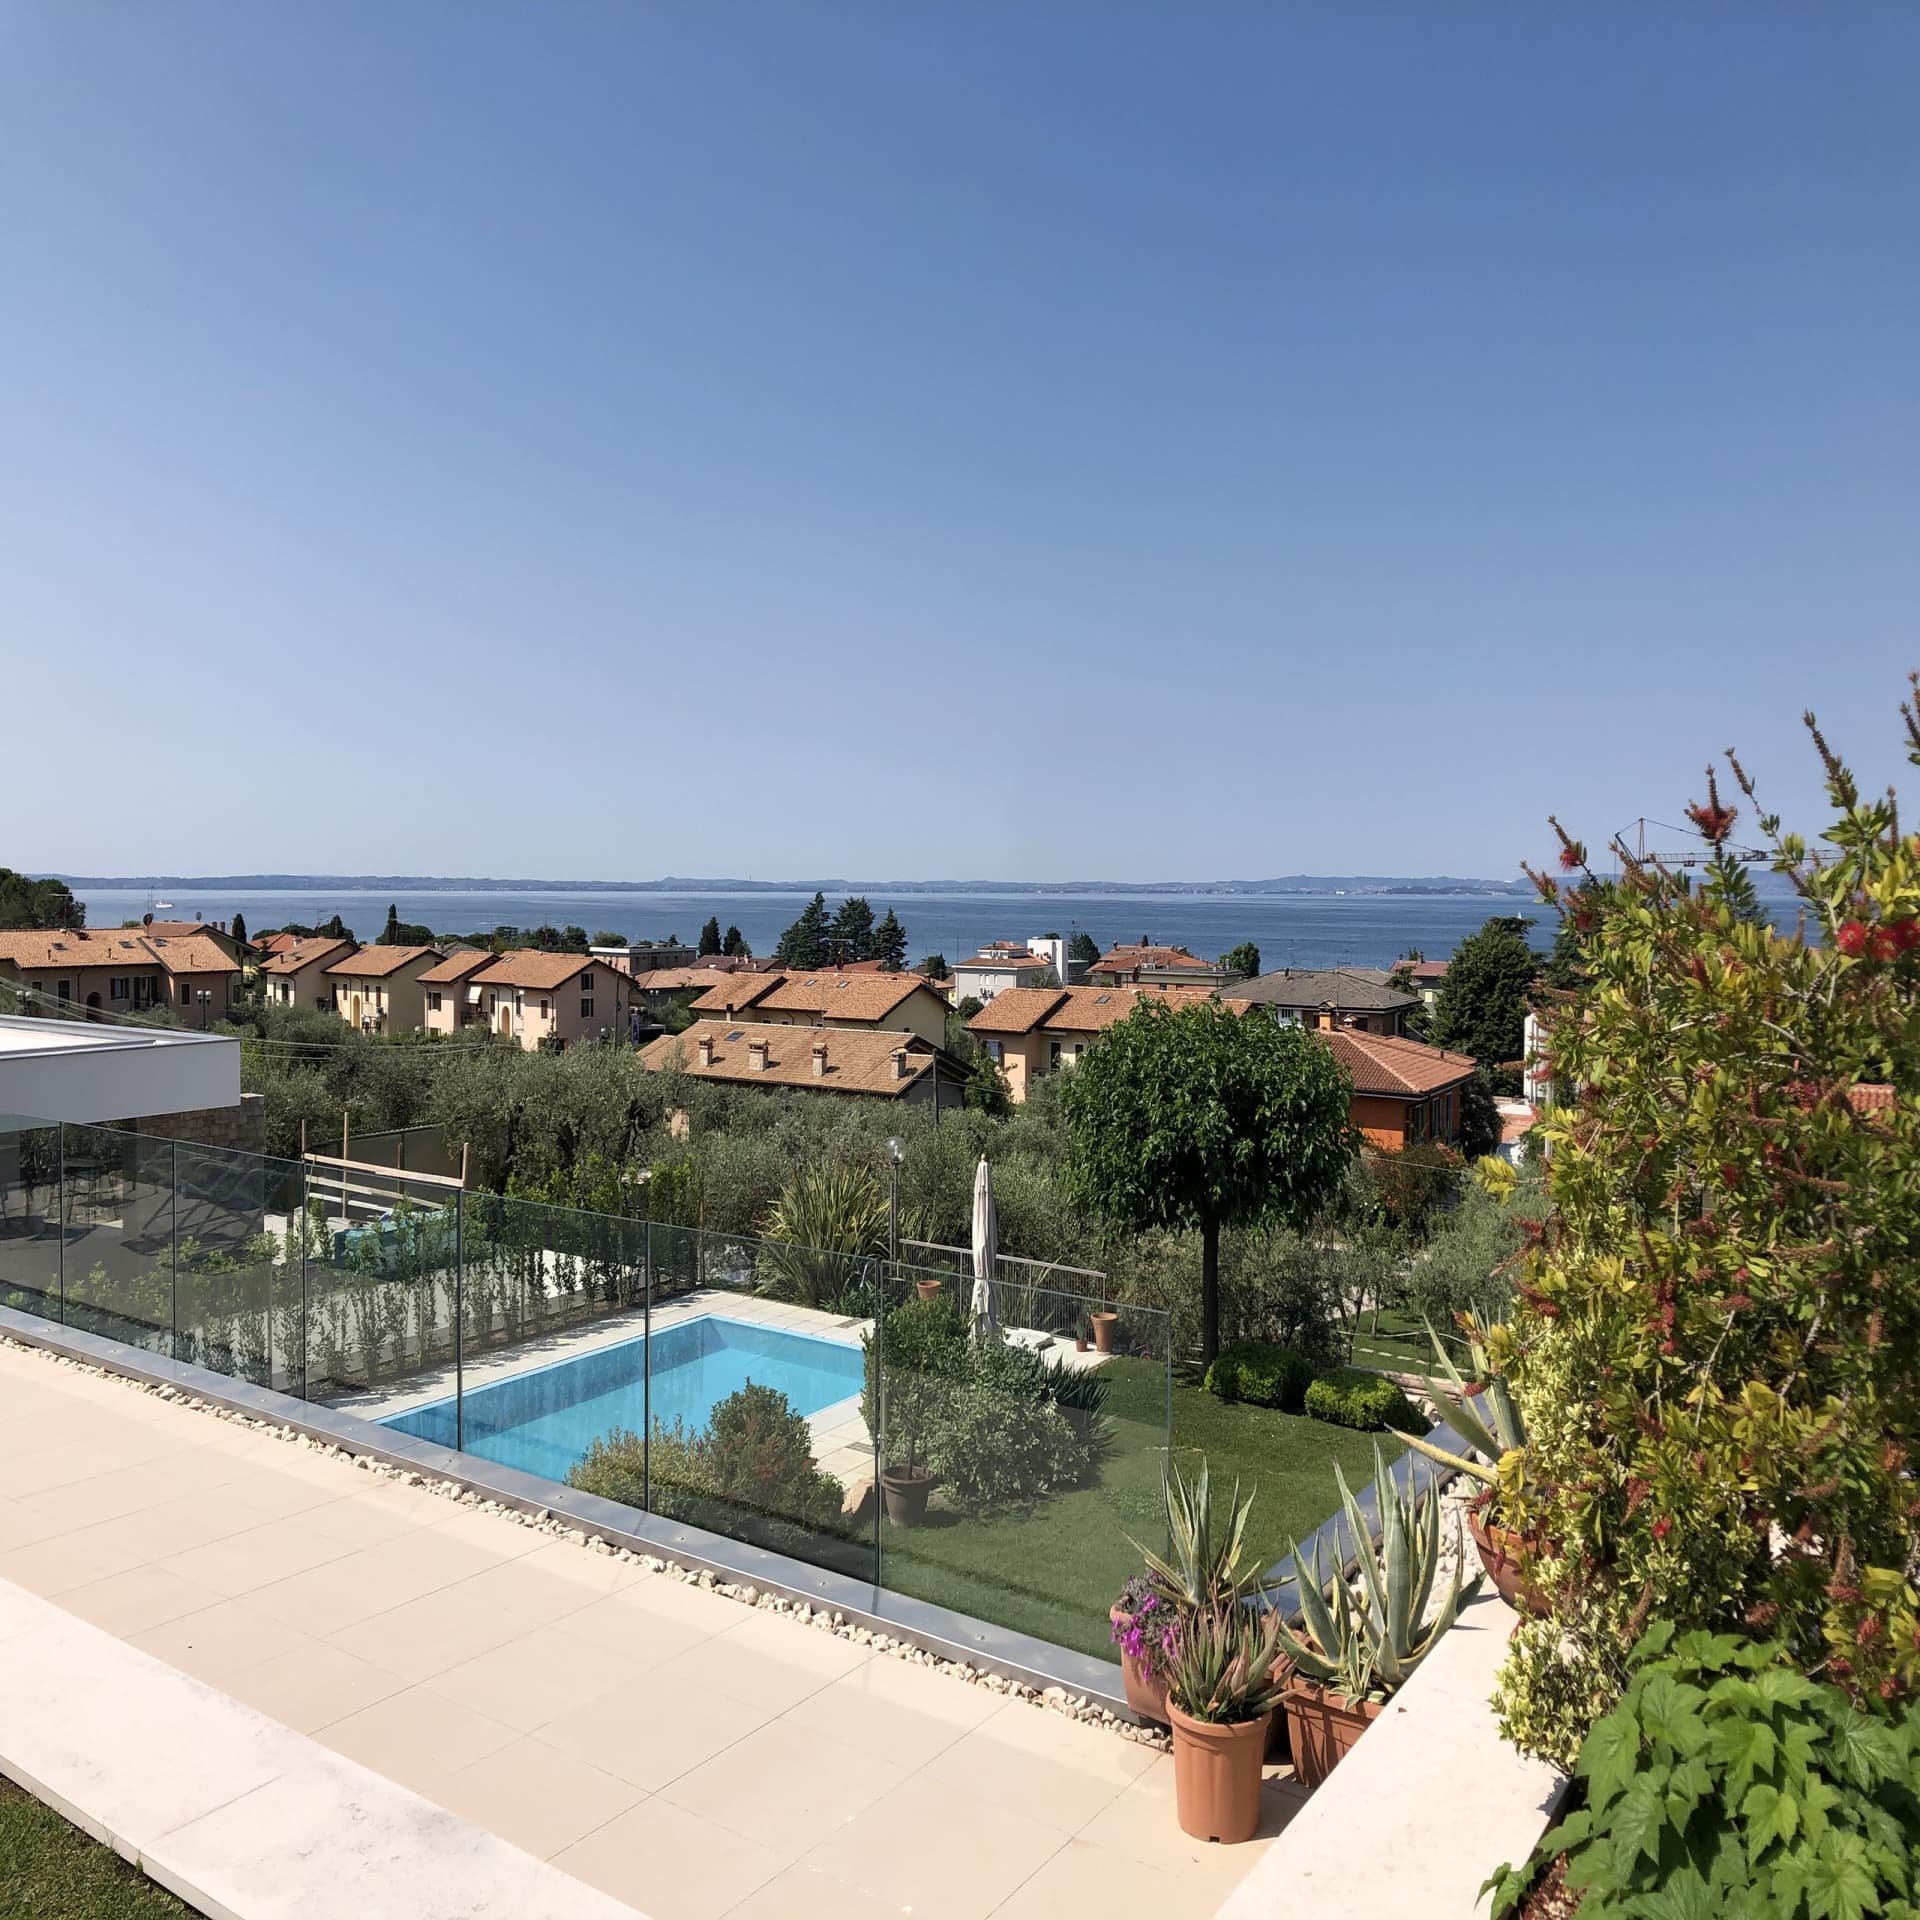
(1038, 441)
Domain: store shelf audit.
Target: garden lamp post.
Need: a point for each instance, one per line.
(205, 1000)
(896, 1152)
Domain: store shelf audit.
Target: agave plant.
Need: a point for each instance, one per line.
(1508, 1432)
(822, 1234)
(1222, 1665)
(1371, 1644)
(1208, 1566)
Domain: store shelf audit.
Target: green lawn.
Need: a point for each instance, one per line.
(1054, 1571)
(52, 1871)
(1399, 1345)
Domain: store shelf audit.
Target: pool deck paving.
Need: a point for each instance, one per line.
(681, 1752)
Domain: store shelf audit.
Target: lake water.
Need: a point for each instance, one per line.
(1299, 930)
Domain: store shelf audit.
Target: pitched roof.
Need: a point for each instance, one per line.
(178, 928)
(1122, 959)
(1428, 969)
(857, 1062)
(1005, 960)
(1346, 989)
(733, 993)
(456, 966)
(303, 953)
(1072, 1009)
(528, 967)
(376, 963)
(195, 953)
(833, 993)
(677, 979)
(1391, 1064)
(123, 946)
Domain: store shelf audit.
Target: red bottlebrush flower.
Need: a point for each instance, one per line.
(1840, 1664)
(1851, 939)
(1883, 944)
(1662, 1527)
(1737, 1302)
(1571, 856)
(1729, 1174)
(1906, 934)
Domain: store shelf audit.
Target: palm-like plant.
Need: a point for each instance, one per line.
(1370, 1645)
(1209, 1565)
(1222, 1665)
(1507, 1432)
(826, 1224)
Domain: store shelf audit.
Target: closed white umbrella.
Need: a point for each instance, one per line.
(986, 1250)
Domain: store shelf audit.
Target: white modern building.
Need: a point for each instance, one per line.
(1006, 964)
(62, 1070)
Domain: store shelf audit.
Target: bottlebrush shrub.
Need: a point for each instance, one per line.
(1728, 1782)
(1715, 1339)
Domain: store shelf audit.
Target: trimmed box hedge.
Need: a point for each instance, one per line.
(1261, 1374)
(1351, 1397)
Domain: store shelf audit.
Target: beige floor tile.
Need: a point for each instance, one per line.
(221, 1642)
(524, 1592)
(178, 1526)
(650, 1731)
(599, 1573)
(55, 1566)
(434, 1559)
(804, 1893)
(499, 1535)
(325, 1599)
(429, 1635)
(537, 1676)
(1044, 1765)
(783, 1789)
(771, 1671)
(415, 1737)
(938, 1851)
(142, 1597)
(1141, 1825)
(536, 1796)
(313, 1686)
(669, 1863)
(901, 1713)
(354, 1519)
(1081, 1879)
(670, 1598)
(648, 1639)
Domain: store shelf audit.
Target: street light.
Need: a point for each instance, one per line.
(205, 999)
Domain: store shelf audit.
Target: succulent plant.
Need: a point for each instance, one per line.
(1222, 1665)
(1208, 1566)
(1371, 1644)
(1508, 1432)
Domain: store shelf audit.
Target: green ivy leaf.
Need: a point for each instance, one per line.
(1610, 1757)
(1839, 1887)
(1867, 1750)
(1684, 1895)
(1746, 1749)
(1636, 1824)
(1770, 1815)
(1670, 1712)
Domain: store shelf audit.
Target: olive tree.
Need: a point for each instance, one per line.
(1195, 1117)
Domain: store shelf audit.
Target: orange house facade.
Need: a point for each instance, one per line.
(1405, 1093)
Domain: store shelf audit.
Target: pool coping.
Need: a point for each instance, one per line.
(941, 1631)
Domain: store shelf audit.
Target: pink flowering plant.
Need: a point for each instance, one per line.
(1146, 1627)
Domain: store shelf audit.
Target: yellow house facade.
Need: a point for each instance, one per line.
(378, 989)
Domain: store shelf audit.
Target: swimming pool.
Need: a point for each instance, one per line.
(543, 1421)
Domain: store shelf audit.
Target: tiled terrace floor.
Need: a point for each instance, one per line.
(691, 1756)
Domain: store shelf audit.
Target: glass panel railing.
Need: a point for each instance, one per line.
(237, 1261)
(118, 1196)
(1024, 1436)
(30, 1221)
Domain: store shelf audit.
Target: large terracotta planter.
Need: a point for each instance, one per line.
(1322, 1727)
(927, 1289)
(905, 1491)
(1499, 1550)
(1103, 1326)
(1146, 1692)
(1216, 1775)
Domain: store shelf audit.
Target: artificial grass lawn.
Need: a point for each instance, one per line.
(1399, 1344)
(52, 1871)
(1054, 1571)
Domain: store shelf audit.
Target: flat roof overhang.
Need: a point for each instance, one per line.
(61, 1070)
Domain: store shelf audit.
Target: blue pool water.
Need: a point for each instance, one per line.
(543, 1421)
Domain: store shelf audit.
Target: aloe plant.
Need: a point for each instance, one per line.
(1208, 1566)
(1222, 1665)
(1508, 1431)
(1372, 1644)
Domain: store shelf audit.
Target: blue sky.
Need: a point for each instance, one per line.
(1028, 441)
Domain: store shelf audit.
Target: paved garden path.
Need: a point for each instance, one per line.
(687, 1754)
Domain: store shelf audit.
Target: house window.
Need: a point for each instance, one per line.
(117, 989)
(544, 1009)
(586, 981)
(997, 1053)
(433, 1000)
(66, 989)
(1053, 1053)
(586, 1007)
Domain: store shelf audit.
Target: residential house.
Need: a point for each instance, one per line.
(1356, 998)
(126, 970)
(215, 930)
(1404, 1091)
(877, 1064)
(378, 990)
(1146, 965)
(833, 997)
(1002, 966)
(533, 997)
(453, 1000)
(1032, 1031)
(294, 974)
(1426, 976)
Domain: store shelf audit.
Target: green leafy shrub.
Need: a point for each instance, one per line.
(1264, 1375)
(1727, 1781)
(1352, 1397)
(1713, 1341)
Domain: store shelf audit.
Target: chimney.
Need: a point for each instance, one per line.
(706, 1049)
(819, 1059)
(899, 1059)
(757, 1056)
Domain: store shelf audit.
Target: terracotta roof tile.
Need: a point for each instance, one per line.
(116, 947)
(1391, 1064)
(1345, 989)
(528, 967)
(1122, 959)
(298, 954)
(376, 963)
(457, 966)
(857, 1062)
(1072, 1009)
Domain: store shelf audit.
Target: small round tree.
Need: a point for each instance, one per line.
(1193, 1117)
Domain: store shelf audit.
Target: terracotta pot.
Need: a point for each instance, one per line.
(1146, 1692)
(1279, 1747)
(1079, 1343)
(1216, 1775)
(1103, 1326)
(927, 1289)
(1322, 1726)
(905, 1491)
(1499, 1549)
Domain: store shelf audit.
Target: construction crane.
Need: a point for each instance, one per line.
(1697, 857)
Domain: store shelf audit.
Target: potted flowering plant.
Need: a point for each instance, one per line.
(1146, 1629)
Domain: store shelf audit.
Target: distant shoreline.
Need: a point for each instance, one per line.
(1377, 884)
